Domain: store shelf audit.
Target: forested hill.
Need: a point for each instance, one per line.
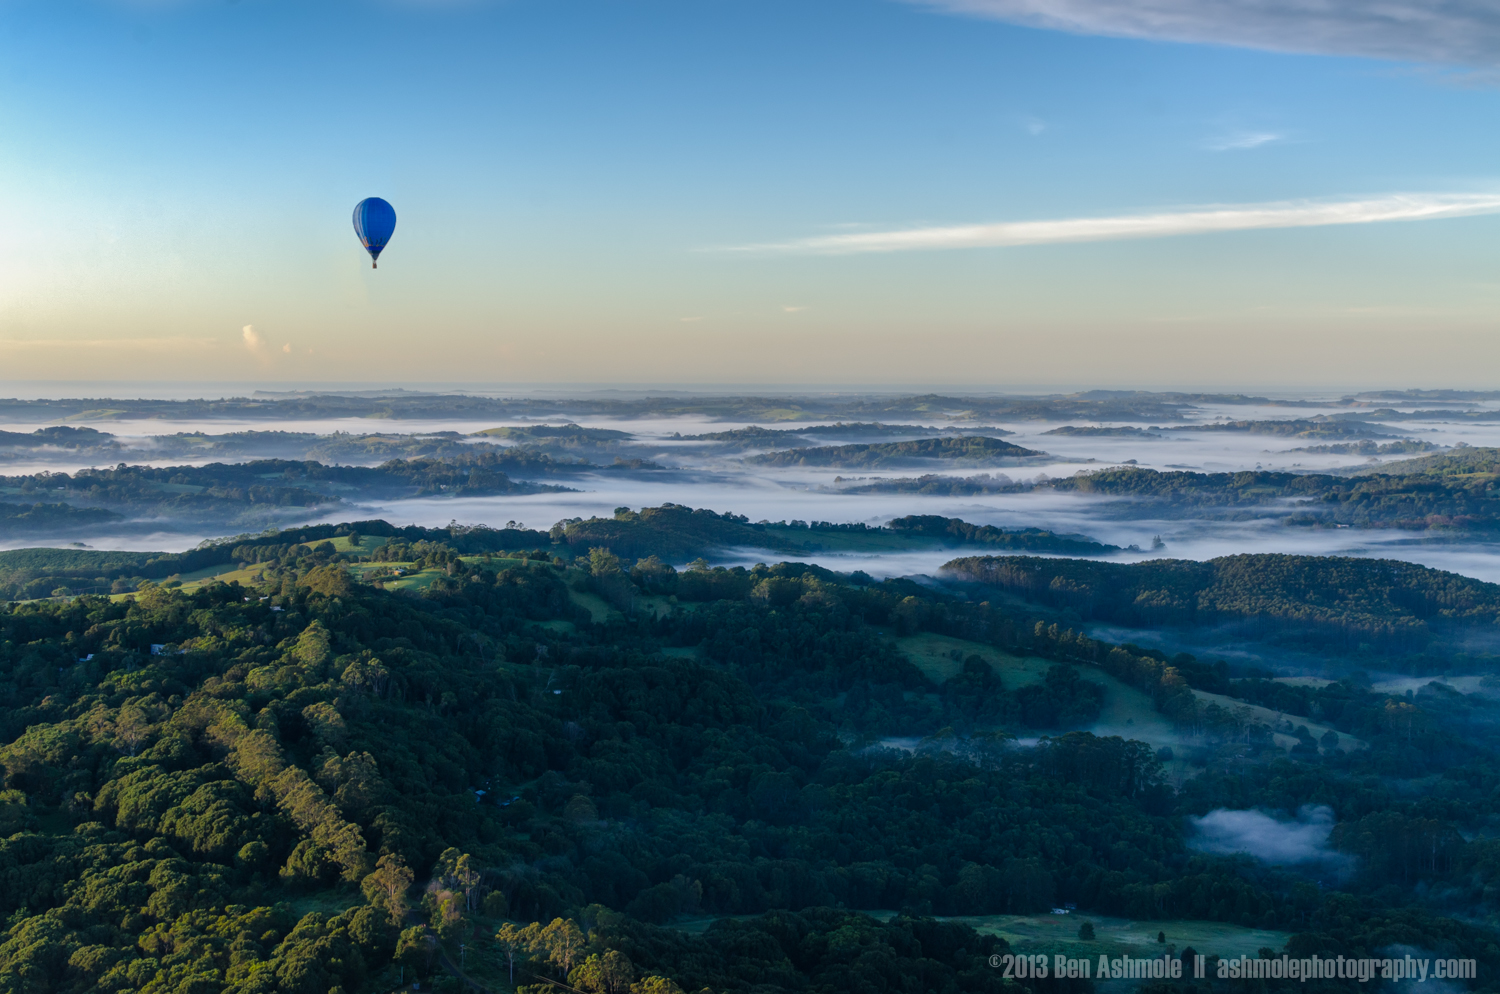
(1471, 461)
(970, 450)
(1431, 492)
(174, 819)
(312, 785)
(58, 437)
(1322, 427)
(678, 533)
(672, 532)
(1320, 601)
(755, 437)
(236, 495)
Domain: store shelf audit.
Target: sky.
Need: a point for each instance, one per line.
(986, 193)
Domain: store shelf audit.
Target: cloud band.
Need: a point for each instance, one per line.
(1245, 217)
(1456, 32)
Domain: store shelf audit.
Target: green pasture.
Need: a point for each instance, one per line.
(598, 609)
(1123, 936)
(1112, 936)
(1275, 718)
(941, 657)
(1127, 712)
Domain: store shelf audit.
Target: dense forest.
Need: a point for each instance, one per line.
(307, 784)
(1455, 491)
(45, 517)
(250, 493)
(676, 532)
(1327, 603)
(1459, 490)
(1450, 492)
(58, 437)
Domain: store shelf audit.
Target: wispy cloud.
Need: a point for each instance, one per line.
(1450, 32)
(794, 308)
(254, 341)
(1243, 140)
(1192, 221)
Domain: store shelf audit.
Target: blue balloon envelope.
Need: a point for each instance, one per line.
(374, 223)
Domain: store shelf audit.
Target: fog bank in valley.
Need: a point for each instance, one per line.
(682, 470)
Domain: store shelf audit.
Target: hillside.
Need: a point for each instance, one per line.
(308, 783)
(1432, 492)
(1320, 427)
(1467, 461)
(1332, 602)
(671, 531)
(234, 496)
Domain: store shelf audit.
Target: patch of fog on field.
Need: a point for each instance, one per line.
(1279, 841)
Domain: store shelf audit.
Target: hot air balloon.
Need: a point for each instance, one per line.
(374, 222)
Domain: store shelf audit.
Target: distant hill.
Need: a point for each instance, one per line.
(1369, 447)
(41, 517)
(1465, 461)
(676, 534)
(1331, 602)
(929, 483)
(567, 433)
(955, 531)
(1297, 428)
(1450, 492)
(57, 436)
(756, 437)
(1096, 431)
(970, 450)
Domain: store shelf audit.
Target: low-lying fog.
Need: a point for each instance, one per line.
(706, 476)
(1276, 840)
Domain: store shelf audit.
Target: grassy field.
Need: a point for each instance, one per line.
(220, 574)
(367, 544)
(598, 609)
(1127, 712)
(1131, 713)
(1121, 936)
(1112, 936)
(940, 658)
(206, 573)
(228, 572)
(1275, 718)
(419, 580)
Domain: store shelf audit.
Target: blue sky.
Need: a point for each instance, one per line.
(718, 192)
